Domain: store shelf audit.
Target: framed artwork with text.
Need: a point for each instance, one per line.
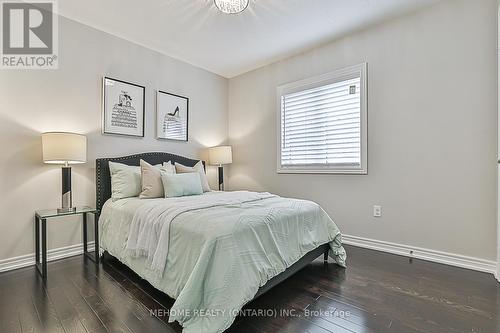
(123, 108)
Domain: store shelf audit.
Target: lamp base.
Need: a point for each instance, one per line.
(67, 197)
(66, 210)
(221, 178)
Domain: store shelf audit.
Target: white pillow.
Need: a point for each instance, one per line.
(169, 167)
(179, 168)
(125, 180)
(151, 184)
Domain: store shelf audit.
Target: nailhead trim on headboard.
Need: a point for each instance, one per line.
(103, 177)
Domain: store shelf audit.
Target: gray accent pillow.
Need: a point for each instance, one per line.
(198, 168)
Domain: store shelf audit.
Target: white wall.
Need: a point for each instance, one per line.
(497, 275)
(69, 99)
(432, 130)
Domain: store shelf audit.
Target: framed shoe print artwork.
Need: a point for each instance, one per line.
(122, 108)
(172, 115)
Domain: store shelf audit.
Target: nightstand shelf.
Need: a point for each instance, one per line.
(41, 217)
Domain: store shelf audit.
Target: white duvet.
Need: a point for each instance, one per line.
(212, 252)
(150, 229)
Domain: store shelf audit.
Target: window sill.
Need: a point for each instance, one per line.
(323, 171)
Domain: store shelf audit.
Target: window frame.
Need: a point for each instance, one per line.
(322, 80)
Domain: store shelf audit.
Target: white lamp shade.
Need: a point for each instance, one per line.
(62, 148)
(220, 155)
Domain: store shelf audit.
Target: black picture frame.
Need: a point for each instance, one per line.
(104, 110)
(159, 113)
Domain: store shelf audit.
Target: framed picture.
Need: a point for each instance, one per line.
(123, 108)
(172, 115)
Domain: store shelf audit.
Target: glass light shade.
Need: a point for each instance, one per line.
(231, 6)
(220, 155)
(62, 148)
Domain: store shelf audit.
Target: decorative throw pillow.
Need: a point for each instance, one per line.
(152, 187)
(179, 168)
(125, 180)
(169, 167)
(179, 185)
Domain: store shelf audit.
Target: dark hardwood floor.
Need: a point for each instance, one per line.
(377, 293)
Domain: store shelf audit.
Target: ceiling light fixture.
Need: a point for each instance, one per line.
(231, 6)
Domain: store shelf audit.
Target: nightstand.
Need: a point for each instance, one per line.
(41, 217)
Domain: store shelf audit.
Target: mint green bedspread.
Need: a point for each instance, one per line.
(221, 248)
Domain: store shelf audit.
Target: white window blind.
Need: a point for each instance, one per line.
(322, 123)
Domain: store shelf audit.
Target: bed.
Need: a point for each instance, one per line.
(215, 252)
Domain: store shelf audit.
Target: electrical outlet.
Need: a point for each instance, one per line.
(377, 211)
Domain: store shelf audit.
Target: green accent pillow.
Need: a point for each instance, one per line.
(179, 185)
(198, 167)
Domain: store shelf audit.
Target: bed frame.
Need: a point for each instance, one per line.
(103, 193)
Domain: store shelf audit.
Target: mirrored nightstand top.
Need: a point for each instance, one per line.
(46, 213)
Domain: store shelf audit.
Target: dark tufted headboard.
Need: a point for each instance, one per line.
(103, 177)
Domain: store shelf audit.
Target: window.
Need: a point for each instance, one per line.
(322, 124)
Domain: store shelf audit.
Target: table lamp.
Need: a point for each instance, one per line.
(66, 149)
(220, 156)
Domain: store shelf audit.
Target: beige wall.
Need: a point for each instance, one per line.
(432, 130)
(68, 99)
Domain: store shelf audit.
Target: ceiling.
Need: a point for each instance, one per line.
(194, 31)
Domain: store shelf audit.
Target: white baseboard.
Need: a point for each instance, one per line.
(54, 254)
(457, 260)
